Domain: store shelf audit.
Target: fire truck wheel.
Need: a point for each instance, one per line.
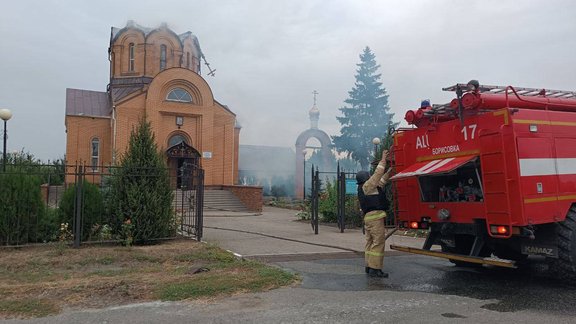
(565, 266)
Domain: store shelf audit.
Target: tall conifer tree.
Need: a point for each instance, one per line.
(141, 191)
(366, 114)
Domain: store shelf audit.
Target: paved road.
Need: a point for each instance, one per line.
(420, 290)
(334, 288)
(277, 232)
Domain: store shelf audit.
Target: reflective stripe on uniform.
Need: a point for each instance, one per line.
(374, 253)
(374, 216)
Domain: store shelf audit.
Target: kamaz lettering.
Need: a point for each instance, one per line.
(539, 251)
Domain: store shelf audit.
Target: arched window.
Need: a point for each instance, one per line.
(162, 57)
(176, 139)
(95, 156)
(180, 95)
(131, 57)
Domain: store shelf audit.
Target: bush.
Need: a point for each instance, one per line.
(352, 212)
(92, 203)
(21, 207)
(328, 204)
(23, 215)
(328, 207)
(304, 213)
(48, 225)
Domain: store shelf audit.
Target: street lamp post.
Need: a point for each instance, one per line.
(5, 115)
(376, 142)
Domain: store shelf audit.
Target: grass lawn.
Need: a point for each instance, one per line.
(42, 281)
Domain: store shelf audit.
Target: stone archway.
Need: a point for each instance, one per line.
(326, 145)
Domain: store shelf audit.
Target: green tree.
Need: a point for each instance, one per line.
(55, 172)
(51, 173)
(317, 159)
(366, 114)
(348, 165)
(140, 195)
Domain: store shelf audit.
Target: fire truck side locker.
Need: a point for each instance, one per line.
(493, 157)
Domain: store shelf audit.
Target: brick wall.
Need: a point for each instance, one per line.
(147, 50)
(80, 132)
(249, 195)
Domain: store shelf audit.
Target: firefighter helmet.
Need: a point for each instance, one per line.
(362, 176)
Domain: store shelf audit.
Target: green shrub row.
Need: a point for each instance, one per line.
(134, 204)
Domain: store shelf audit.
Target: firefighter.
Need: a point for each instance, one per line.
(473, 86)
(374, 205)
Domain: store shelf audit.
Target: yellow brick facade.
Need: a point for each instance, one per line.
(145, 66)
(83, 130)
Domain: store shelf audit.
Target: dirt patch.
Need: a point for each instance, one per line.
(41, 281)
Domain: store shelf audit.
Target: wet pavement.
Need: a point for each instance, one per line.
(507, 290)
(333, 261)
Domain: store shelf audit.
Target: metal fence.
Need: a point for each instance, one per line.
(346, 203)
(76, 203)
(314, 199)
(345, 194)
(348, 212)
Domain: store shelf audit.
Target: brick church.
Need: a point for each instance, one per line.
(154, 74)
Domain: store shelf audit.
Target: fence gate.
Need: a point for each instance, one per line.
(345, 185)
(189, 200)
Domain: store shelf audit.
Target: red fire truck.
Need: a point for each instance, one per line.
(492, 175)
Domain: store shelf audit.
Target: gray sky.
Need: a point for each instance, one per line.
(271, 55)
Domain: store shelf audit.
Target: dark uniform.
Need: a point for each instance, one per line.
(374, 206)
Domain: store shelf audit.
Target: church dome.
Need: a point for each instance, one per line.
(314, 117)
(314, 111)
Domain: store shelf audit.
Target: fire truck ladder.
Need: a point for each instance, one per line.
(440, 109)
(529, 92)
